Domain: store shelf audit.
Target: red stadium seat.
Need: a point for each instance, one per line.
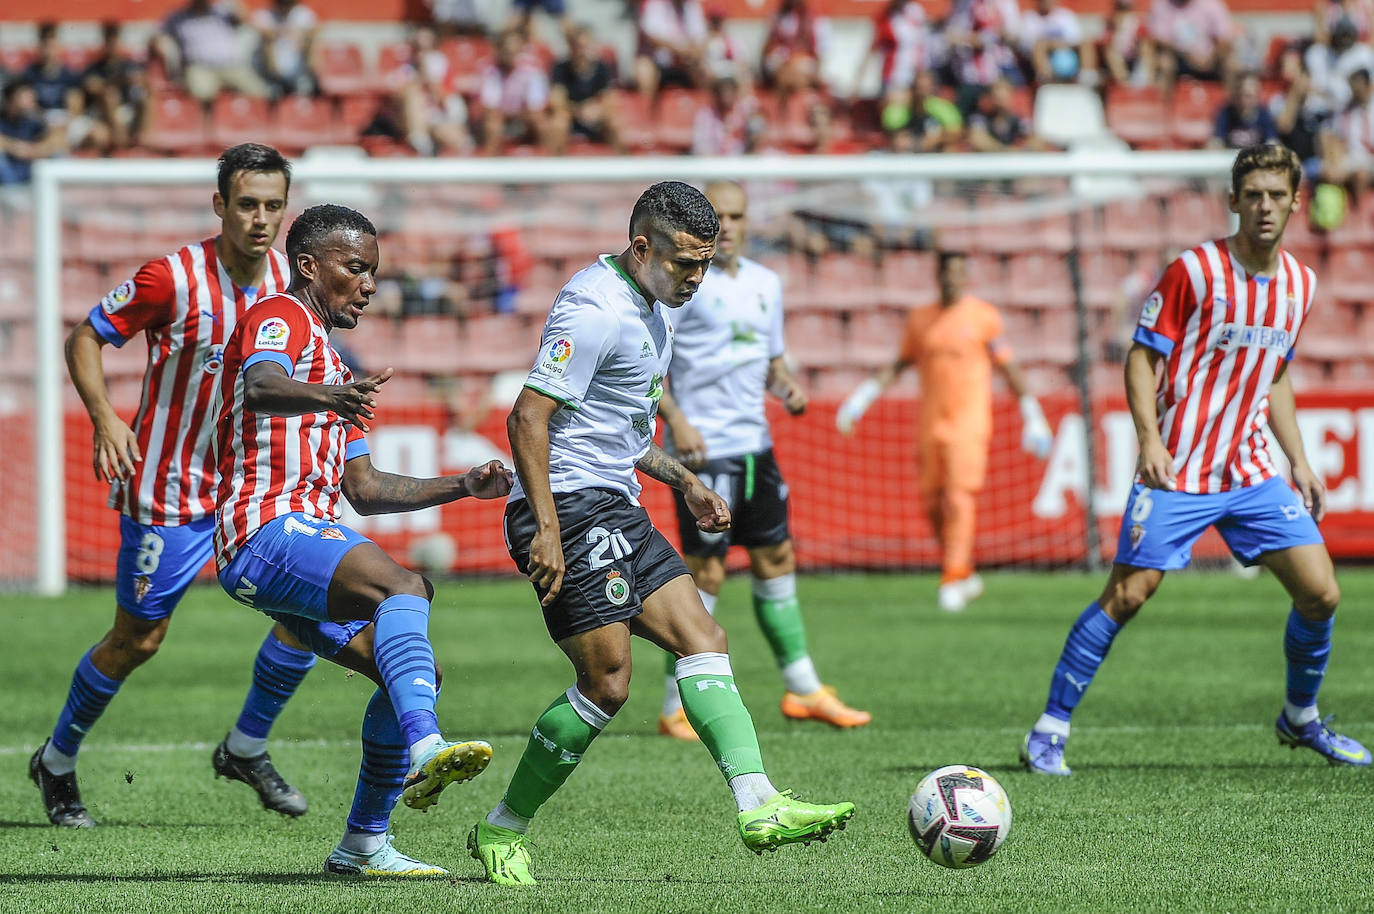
(1349, 275)
(1102, 273)
(636, 118)
(300, 121)
(1137, 115)
(469, 58)
(238, 119)
(1039, 281)
(344, 71)
(1137, 225)
(875, 335)
(908, 279)
(847, 281)
(675, 114)
(1193, 112)
(1196, 215)
(176, 124)
(986, 278)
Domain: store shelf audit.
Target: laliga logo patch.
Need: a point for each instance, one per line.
(118, 297)
(557, 356)
(1150, 312)
(617, 588)
(213, 360)
(273, 334)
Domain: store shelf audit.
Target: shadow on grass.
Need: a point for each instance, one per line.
(1005, 769)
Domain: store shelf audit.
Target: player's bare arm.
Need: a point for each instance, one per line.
(268, 390)
(370, 491)
(115, 444)
(858, 402)
(710, 510)
(1283, 421)
(688, 443)
(785, 386)
(1156, 463)
(527, 426)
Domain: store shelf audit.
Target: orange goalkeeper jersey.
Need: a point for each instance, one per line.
(953, 349)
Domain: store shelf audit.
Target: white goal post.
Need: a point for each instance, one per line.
(1102, 172)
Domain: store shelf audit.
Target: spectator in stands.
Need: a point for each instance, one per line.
(1243, 120)
(580, 98)
(1348, 149)
(116, 89)
(902, 42)
(523, 16)
(58, 90)
(933, 122)
(1126, 54)
(288, 55)
(723, 55)
(1299, 116)
(1329, 12)
(456, 17)
(825, 138)
(672, 46)
(201, 44)
(995, 127)
(1052, 43)
(728, 123)
(797, 41)
(1191, 38)
(514, 95)
(1329, 66)
(433, 116)
(981, 35)
(24, 134)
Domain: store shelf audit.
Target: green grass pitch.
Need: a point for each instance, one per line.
(1182, 798)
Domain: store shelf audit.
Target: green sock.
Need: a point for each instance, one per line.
(559, 738)
(780, 618)
(715, 711)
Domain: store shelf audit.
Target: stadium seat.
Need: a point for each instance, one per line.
(676, 111)
(1193, 112)
(344, 71)
(82, 286)
(176, 124)
(1137, 114)
(1137, 224)
(1068, 114)
(468, 59)
(636, 117)
(987, 278)
(432, 345)
(1102, 273)
(875, 335)
(848, 281)
(1196, 214)
(908, 279)
(1349, 275)
(816, 340)
(1039, 281)
(300, 121)
(235, 118)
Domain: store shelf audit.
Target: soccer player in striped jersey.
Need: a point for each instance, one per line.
(290, 441)
(727, 351)
(1219, 330)
(162, 477)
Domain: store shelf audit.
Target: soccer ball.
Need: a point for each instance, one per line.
(959, 816)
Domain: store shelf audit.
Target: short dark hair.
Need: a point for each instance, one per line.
(945, 255)
(669, 207)
(1266, 157)
(46, 30)
(250, 157)
(314, 226)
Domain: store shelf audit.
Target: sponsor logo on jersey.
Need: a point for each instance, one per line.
(617, 588)
(1150, 312)
(273, 334)
(656, 388)
(213, 360)
(556, 357)
(1240, 336)
(118, 297)
(332, 533)
(646, 351)
(142, 585)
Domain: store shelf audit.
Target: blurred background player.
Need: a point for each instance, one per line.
(954, 346)
(290, 440)
(1205, 460)
(727, 351)
(162, 477)
(581, 427)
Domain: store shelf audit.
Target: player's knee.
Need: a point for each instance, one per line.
(1321, 603)
(132, 650)
(1124, 598)
(409, 583)
(609, 689)
(710, 639)
(710, 576)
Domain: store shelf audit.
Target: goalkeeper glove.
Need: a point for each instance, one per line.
(853, 408)
(1036, 437)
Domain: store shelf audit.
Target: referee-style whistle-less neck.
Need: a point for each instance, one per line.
(615, 265)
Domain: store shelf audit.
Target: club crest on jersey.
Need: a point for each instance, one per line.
(273, 334)
(213, 360)
(1137, 534)
(142, 585)
(118, 297)
(556, 357)
(1150, 312)
(617, 588)
(332, 533)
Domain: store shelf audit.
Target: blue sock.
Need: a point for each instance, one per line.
(276, 674)
(1307, 645)
(91, 691)
(406, 661)
(1084, 650)
(386, 760)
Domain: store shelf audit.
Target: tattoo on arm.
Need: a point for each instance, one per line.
(658, 465)
(389, 493)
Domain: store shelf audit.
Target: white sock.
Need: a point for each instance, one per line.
(800, 677)
(57, 762)
(421, 746)
(1048, 724)
(708, 600)
(672, 698)
(362, 843)
(503, 817)
(245, 746)
(751, 790)
(1296, 716)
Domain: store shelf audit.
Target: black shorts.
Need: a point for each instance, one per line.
(613, 557)
(753, 486)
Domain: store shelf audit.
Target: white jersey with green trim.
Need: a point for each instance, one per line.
(726, 336)
(603, 356)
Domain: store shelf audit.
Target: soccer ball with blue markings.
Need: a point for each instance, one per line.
(959, 816)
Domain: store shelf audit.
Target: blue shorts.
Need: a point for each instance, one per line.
(156, 564)
(284, 571)
(1160, 527)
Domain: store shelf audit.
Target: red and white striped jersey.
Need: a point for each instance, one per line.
(186, 305)
(1224, 335)
(275, 465)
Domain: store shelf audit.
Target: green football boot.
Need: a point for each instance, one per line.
(787, 820)
(503, 853)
